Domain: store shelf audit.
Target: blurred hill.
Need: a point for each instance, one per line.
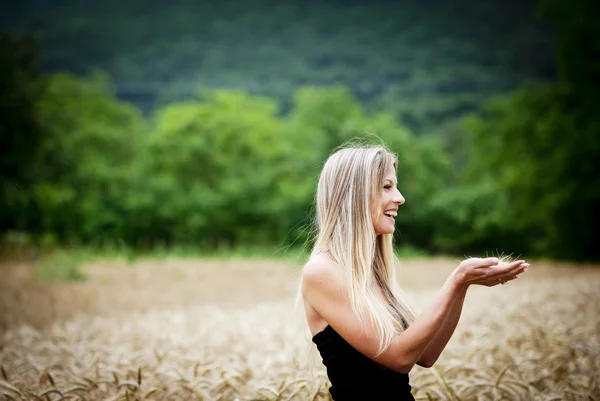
(429, 61)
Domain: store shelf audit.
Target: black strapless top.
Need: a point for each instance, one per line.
(354, 376)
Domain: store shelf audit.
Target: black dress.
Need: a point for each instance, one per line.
(354, 376)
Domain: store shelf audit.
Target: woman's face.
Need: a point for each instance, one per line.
(386, 207)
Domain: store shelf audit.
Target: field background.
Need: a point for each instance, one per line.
(223, 329)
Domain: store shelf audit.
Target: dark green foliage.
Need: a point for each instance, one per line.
(21, 130)
(538, 150)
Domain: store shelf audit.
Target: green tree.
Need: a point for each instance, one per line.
(92, 140)
(212, 172)
(21, 130)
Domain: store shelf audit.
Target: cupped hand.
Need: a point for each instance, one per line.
(488, 271)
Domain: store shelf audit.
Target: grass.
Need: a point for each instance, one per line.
(60, 265)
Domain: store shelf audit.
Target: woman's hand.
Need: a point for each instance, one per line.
(488, 272)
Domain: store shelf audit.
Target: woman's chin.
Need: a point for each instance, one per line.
(386, 231)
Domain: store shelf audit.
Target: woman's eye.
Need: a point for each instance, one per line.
(387, 186)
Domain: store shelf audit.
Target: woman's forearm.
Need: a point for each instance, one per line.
(414, 341)
(438, 323)
(441, 338)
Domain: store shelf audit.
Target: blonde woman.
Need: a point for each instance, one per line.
(367, 334)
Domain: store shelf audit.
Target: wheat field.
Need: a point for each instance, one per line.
(224, 330)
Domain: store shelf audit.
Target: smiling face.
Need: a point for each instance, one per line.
(386, 205)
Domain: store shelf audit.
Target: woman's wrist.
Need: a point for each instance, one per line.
(457, 280)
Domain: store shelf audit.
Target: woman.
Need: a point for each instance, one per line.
(367, 334)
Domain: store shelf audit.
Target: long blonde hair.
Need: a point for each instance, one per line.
(349, 188)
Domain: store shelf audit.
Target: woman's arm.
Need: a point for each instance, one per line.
(323, 289)
(412, 344)
(441, 338)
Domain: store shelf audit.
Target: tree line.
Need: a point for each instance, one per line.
(229, 168)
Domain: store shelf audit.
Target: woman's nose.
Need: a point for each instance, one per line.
(399, 199)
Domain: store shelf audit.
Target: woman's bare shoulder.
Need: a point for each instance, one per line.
(322, 274)
(321, 267)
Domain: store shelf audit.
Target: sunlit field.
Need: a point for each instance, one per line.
(224, 330)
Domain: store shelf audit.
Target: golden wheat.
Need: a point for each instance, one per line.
(536, 338)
